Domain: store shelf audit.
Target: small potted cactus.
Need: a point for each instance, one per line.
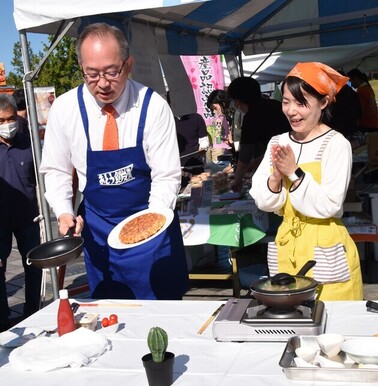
(158, 363)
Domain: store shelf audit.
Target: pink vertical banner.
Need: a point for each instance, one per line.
(205, 74)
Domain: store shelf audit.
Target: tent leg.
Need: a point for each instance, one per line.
(241, 64)
(36, 147)
(270, 54)
(232, 66)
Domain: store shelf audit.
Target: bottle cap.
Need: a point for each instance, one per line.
(63, 294)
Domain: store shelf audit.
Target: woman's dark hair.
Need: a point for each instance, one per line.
(296, 86)
(220, 97)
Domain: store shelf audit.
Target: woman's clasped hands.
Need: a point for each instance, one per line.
(283, 162)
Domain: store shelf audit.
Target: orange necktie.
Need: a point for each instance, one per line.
(110, 141)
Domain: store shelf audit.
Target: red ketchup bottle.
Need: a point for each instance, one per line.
(66, 320)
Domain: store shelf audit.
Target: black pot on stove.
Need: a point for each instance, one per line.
(284, 290)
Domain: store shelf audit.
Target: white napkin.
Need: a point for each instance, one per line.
(78, 348)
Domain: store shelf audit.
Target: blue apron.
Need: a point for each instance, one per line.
(118, 185)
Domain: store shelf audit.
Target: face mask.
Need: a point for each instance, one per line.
(8, 130)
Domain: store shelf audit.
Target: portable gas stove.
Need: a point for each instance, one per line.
(243, 320)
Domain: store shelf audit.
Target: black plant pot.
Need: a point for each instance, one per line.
(159, 373)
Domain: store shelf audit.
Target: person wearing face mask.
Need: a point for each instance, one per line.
(304, 178)
(18, 207)
(263, 118)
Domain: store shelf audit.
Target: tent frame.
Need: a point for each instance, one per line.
(44, 216)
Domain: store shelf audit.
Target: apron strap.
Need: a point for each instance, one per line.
(326, 140)
(142, 118)
(83, 112)
(143, 114)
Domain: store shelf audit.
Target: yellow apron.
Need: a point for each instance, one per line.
(300, 238)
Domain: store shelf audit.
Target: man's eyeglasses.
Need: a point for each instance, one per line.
(109, 75)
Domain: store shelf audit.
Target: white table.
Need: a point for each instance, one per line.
(200, 360)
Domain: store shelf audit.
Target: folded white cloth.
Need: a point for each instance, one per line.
(78, 348)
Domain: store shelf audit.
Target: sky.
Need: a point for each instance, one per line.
(9, 36)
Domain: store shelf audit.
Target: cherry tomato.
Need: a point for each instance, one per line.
(112, 321)
(105, 322)
(113, 318)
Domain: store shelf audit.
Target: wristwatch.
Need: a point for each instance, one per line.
(298, 174)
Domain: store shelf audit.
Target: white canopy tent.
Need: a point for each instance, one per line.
(189, 27)
(268, 68)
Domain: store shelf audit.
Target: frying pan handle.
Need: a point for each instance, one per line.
(70, 232)
(372, 306)
(306, 268)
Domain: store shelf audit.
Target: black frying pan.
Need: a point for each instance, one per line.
(56, 252)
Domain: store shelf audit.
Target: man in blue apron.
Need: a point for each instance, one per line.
(142, 171)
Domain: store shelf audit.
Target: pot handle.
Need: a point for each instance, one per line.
(306, 268)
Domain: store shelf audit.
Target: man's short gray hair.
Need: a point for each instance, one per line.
(7, 102)
(101, 30)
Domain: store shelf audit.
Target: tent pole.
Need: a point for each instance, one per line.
(44, 217)
(268, 56)
(241, 63)
(63, 29)
(232, 66)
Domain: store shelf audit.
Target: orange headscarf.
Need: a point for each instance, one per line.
(322, 78)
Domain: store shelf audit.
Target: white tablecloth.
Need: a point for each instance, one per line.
(200, 360)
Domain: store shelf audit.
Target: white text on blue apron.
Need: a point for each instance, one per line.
(116, 177)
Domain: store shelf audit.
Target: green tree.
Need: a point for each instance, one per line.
(60, 70)
(15, 78)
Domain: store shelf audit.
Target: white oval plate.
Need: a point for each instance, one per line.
(114, 241)
(362, 350)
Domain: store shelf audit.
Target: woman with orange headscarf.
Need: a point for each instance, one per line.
(304, 177)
